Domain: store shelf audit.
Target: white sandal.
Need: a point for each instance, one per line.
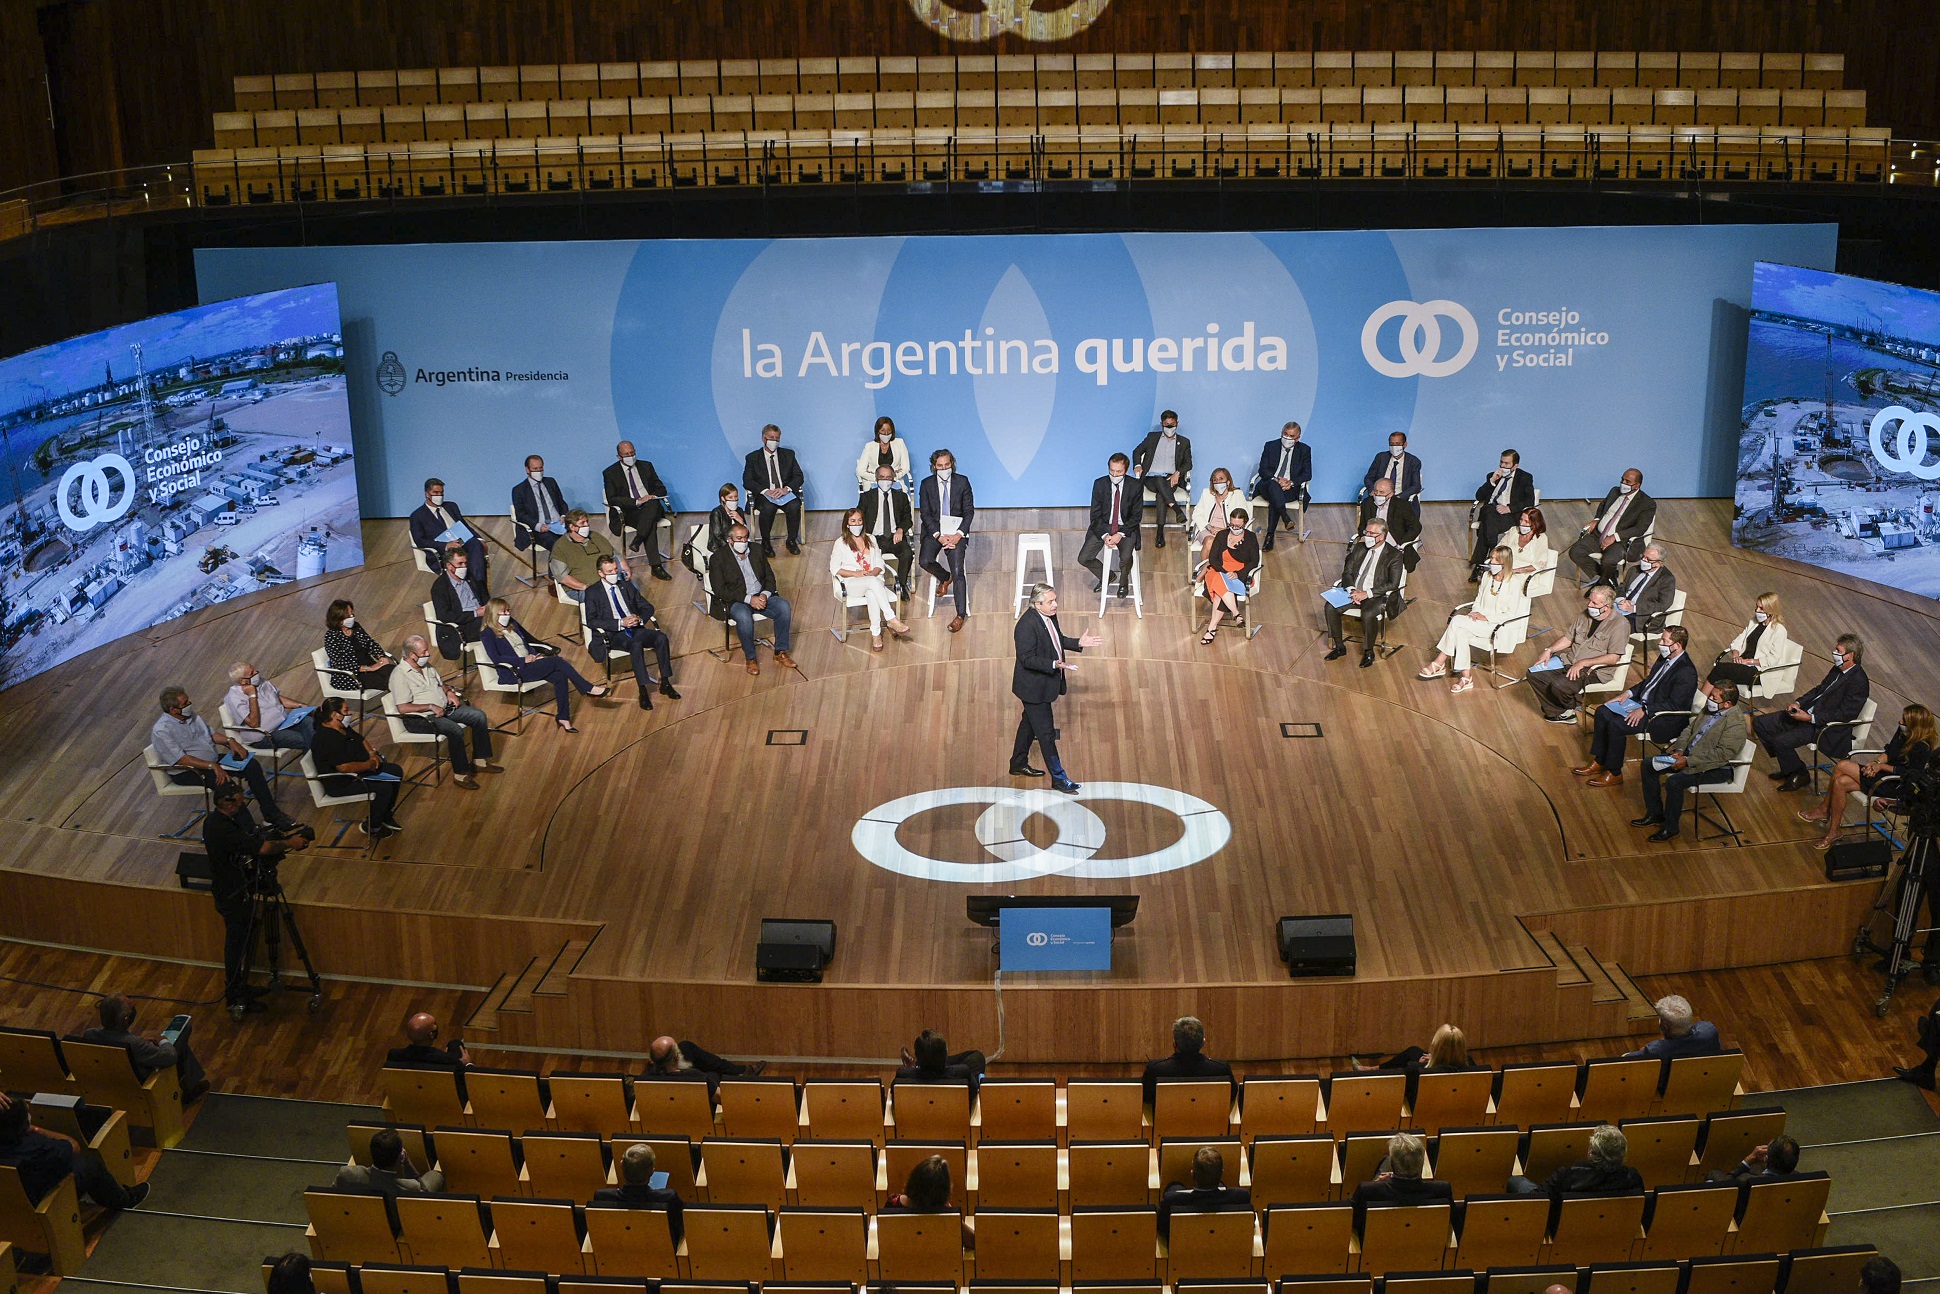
(1462, 685)
(1431, 673)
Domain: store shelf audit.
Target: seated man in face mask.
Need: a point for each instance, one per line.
(1645, 598)
(742, 583)
(1659, 707)
(1286, 466)
(1588, 651)
(437, 517)
(576, 558)
(621, 619)
(458, 599)
(1700, 755)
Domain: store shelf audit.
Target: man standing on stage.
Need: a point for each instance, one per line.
(1038, 681)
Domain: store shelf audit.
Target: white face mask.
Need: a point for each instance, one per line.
(628, 460)
(885, 436)
(731, 503)
(739, 545)
(1594, 612)
(1713, 705)
(580, 532)
(1397, 450)
(611, 577)
(771, 445)
(458, 572)
(187, 711)
(1759, 616)
(505, 619)
(1116, 475)
(255, 680)
(855, 528)
(424, 662)
(1495, 568)
(1239, 527)
(535, 477)
(437, 500)
(1646, 566)
(1522, 530)
(1838, 658)
(350, 622)
(884, 486)
(1625, 487)
(1666, 649)
(1289, 441)
(1171, 431)
(943, 475)
(1221, 487)
(1372, 541)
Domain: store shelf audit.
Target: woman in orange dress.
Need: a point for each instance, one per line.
(1230, 565)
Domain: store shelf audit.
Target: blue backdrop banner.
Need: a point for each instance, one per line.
(1033, 357)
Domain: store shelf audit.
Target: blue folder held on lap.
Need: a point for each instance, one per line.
(1335, 597)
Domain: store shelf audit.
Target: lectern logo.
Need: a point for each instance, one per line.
(1037, 939)
(1009, 17)
(390, 373)
(1081, 834)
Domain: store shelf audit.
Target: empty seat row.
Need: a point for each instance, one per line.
(1021, 109)
(355, 172)
(758, 1243)
(865, 75)
(1810, 1271)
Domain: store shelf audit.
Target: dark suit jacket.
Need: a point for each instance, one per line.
(454, 619)
(1181, 457)
(1671, 687)
(525, 508)
(724, 577)
(645, 1197)
(599, 614)
(1036, 679)
(1398, 1190)
(613, 485)
(962, 504)
(1193, 1065)
(1522, 493)
(901, 516)
(1299, 471)
(1386, 584)
(419, 1056)
(1837, 699)
(425, 527)
(148, 1057)
(1131, 501)
(510, 667)
(1653, 601)
(754, 473)
(719, 523)
(1404, 523)
(1587, 1179)
(1181, 1198)
(1410, 475)
(1636, 519)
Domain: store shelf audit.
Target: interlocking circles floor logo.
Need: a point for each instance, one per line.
(1081, 834)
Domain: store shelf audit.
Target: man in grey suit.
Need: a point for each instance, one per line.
(1700, 756)
(117, 1030)
(390, 1170)
(1647, 595)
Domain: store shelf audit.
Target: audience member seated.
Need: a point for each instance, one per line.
(1838, 699)
(858, 563)
(357, 663)
(43, 1158)
(947, 506)
(742, 583)
(1447, 1053)
(117, 1029)
(1286, 466)
(1757, 646)
(888, 518)
(1402, 518)
(1530, 547)
(1659, 706)
(885, 449)
(928, 1191)
(1615, 532)
(1214, 511)
(290, 1274)
(1907, 750)
(1232, 562)
(621, 619)
(1499, 600)
(1645, 599)
(390, 1170)
(1604, 1171)
(1207, 1194)
(521, 657)
(726, 517)
(928, 1060)
(773, 481)
(1777, 1160)
(428, 705)
(1927, 1036)
(635, 497)
(576, 558)
(349, 766)
(1879, 1276)
(458, 599)
(1371, 575)
(422, 1053)
(195, 756)
(1188, 1059)
(438, 523)
(636, 1189)
(1116, 507)
(1504, 495)
(1683, 1035)
(1699, 756)
(1401, 1182)
(538, 509)
(1589, 650)
(1400, 469)
(667, 1058)
(1161, 461)
(261, 717)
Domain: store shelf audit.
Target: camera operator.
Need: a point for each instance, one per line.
(242, 863)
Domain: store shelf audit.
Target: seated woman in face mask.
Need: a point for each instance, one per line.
(1486, 622)
(521, 657)
(885, 449)
(858, 564)
(1214, 510)
(1232, 560)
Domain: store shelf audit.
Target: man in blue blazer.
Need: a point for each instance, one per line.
(538, 508)
(621, 619)
(1398, 466)
(1038, 680)
(1663, 709)
(437, 515)
(945, 493)
(1286, 466)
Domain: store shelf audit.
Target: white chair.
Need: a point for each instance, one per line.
(403, 736)
(564, 597)
(1300, 530)
(1870, 801)
(727, 648)
(1245, 598)
(1539, 584)
(663, 529)
(916, 547)
(1861, 728)
(167, 786)
(1740, 768)
(431, 627)
(695, 556)
(487, 679)
(1380, 646)
(325, 800)
(1779, 677)
(1619, 680)
(320, 662)
(1504, 638)
(1182, 498)
(1031, 544)
(847, 599)
(1109, 557)
(533, 574)
(273, 756)
(422, 560)
(1673, 615)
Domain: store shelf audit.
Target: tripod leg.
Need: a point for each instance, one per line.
(302, 953)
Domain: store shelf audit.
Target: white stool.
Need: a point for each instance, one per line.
(1031, 545)
(1105, 595)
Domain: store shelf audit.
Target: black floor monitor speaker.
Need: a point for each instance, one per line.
(792, 951)
(1322, 945)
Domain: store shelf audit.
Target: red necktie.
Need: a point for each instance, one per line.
(1115, 488)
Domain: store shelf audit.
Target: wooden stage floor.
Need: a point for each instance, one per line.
(609, 886)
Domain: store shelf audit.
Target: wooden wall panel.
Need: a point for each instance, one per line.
(26, 135)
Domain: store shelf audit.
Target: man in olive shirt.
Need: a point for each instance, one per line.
(1588, 650)
(576, 557)
(1700, 756)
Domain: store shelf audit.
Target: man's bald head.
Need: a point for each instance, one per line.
(660, 1048)
(422, 1028)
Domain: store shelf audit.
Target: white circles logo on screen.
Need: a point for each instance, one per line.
(1421, 338)
(1037, 939)
(94, 491)
(1908, 453)
(1081, 834)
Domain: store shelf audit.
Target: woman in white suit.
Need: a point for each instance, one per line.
(858, 563)
(1214, 511)
(1530, 544)
(1757, 646)
(1498, 600)
(885, 448)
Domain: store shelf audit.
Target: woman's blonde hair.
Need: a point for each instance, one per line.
(1770, 605)
(1447, 1048)
(1918, 721)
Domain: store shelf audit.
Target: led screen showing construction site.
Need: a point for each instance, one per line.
(165, 466)
(1839, 453)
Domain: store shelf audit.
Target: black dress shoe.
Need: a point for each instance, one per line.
(1648, 820)
(1065, 784)
(1161, 539)
(1915, 1075)
(1796, 782)
(1663, 833)
(794, 547)
(1778, 775)
(1367, 659)
(1266, 545)
(136, 1194)
(767, 548)
(646, 699)
(660, 573)
(1336, 654)
(667, 690)
(1025, 770)
(250, 1005)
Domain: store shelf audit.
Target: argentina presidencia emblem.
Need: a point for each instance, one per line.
(1009, 17)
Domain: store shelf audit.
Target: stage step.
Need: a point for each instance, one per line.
(1636, 1005)
(1568, 973)
(1603, 987)
(510, 993)
(553, 984)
